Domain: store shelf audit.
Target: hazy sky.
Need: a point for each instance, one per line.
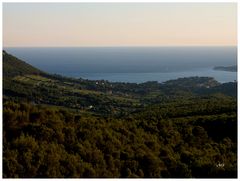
(119, 24)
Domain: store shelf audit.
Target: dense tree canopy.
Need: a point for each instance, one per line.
(41, 141)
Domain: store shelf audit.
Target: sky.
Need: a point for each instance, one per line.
(119, 24)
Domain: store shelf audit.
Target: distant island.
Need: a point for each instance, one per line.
(227, 68)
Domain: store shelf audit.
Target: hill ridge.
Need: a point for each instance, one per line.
(13, 66)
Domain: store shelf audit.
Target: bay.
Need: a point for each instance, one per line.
(131, 64)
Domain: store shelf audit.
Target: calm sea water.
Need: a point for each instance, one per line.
(132, 64)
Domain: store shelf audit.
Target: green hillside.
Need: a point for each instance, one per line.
(60, 127)
(12, 66)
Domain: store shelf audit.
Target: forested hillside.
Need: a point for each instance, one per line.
(56, 127)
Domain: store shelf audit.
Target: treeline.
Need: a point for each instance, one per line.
(168, 140)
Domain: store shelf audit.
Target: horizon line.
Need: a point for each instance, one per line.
(120, 46)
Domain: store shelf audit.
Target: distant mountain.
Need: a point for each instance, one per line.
(228, 68)
(12, 67)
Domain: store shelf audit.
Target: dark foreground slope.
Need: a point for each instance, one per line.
(61, 127)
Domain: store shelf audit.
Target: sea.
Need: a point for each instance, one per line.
(131, 64)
